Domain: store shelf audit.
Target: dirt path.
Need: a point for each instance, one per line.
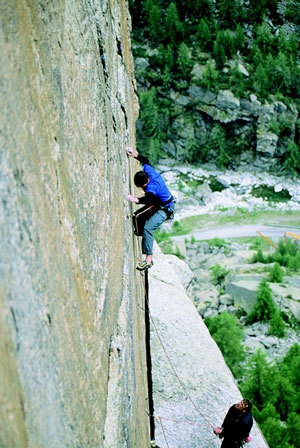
(241, 231)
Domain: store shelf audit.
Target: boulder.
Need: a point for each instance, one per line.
(266, 143)
(227, 101)
(181, 269)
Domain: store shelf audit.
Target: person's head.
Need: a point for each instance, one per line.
(141, 179)
(244, 406)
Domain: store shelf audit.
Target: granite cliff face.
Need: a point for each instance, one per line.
(72, 322)
(72, 335)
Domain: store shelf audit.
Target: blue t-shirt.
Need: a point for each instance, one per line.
(157, 185)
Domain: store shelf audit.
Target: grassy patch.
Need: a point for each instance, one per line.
(270, 195)
(239, 217)
(198, 223)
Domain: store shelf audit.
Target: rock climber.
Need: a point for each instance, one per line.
(157, 193)
(236, 425)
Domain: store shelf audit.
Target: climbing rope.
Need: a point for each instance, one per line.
(172, 366)
(159, 417)
(147, 310)
(163, 431)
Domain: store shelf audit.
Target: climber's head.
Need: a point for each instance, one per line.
(141, 179)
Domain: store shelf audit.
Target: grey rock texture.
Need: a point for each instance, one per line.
(193, 387)
(72, 349)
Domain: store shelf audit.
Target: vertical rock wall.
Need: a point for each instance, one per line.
(72, 344)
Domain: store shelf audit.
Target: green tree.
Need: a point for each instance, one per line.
(169, 58)
(239, 38)
(292, 11)
(256, 384)
(268, 410)
(281, 74)
(276, 274)
(210, 77)
(218, 143)
(291, 366)
(237, 81)
(285, 402)
(258, 257)
(223, 157)
(173, 27)
(277, 325)
(257, 10)
(293, 429)
(155, 22)
(227, 333)
(265, 40)
(264, 306)
(149, 112)
(227, 13)
(152, 149)
(205, 36)
(219, 54)
(273, 431)
(191, 10)
(184, 60)
(260, 81)
(227, 38)
(292, 161)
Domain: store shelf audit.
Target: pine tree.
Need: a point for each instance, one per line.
(265, 40)
(239, 38)
(273, 431)
(227, 333)
(155, 22)
(169, 58)
(256, 384)
(228, 40)
(264, 306)
(261, 81)
(204, 36)
(149, 112)
(293, 429)
(292, 161)
(277, 325)
(184, 60)
(218, 143)
(276, 274)
(210, 77)
(257, 10)
(286, 398)
(228, 13)
(173, 27)
(237, 81)
(281, 74)
(291, 363)
(219, 54)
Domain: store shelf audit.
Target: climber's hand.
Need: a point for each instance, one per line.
(132, 198)
(130, 152)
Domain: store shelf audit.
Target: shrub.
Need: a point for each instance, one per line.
(218, 274)
(276, 274)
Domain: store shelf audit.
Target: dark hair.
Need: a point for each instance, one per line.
(247, 405)
(140, 178)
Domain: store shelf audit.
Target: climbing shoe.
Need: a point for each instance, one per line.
(143, 265)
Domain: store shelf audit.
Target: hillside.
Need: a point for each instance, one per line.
(218, 82)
